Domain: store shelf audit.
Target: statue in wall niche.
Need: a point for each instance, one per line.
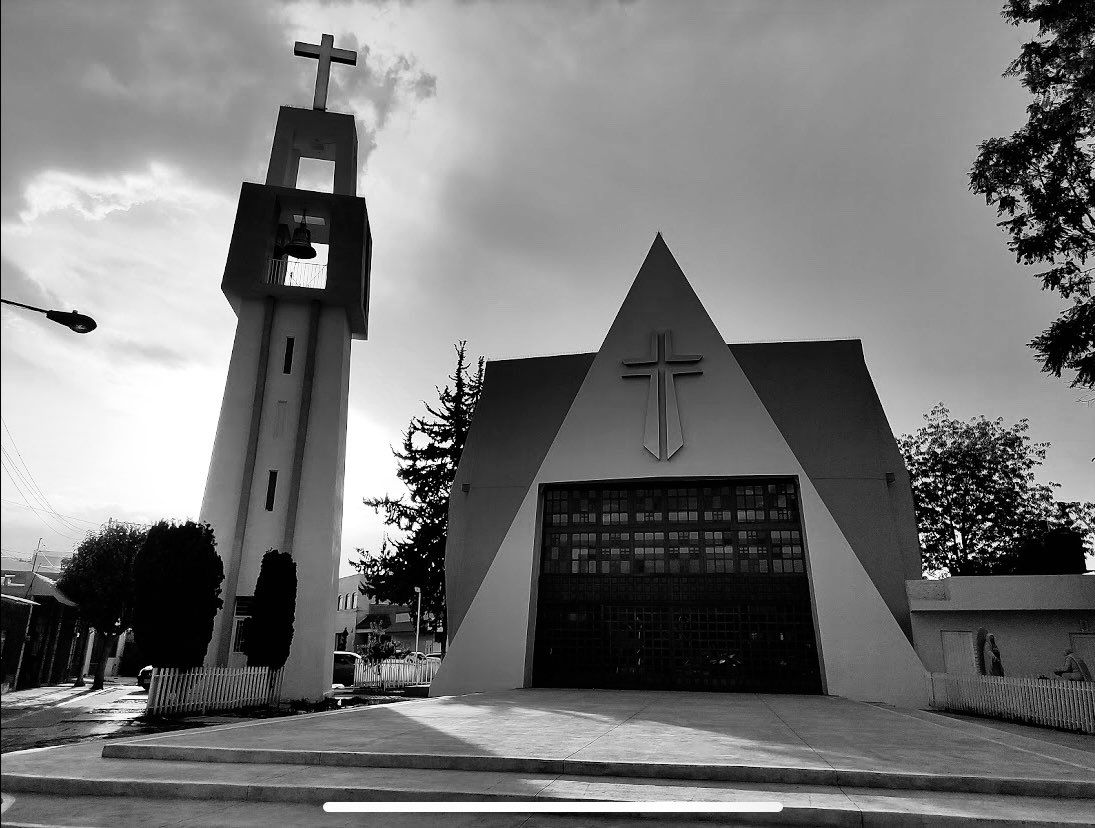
(982, 637)
(994, 667)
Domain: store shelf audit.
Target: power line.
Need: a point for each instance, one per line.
(35, 489)
(58, 514)
(38, 512)
(31, 485)
(23, 462)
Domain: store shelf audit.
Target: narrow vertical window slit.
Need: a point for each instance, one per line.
(271, 488)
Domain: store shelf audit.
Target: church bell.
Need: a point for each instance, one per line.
(301, 245)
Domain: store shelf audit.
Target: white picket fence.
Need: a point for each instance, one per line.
(394, 673)
(1069, 705)
(175, 691)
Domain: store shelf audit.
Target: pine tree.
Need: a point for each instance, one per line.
(430, 453)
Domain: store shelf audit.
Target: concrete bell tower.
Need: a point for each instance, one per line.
(276, 474)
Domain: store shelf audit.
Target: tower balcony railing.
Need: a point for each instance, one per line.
(296, 273)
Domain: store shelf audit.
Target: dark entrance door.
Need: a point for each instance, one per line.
(689, 585)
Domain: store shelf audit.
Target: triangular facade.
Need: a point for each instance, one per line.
(665, 400)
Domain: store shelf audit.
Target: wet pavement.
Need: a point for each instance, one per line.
(62, 714)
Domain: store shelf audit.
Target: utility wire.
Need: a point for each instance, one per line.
(58, 514)
(15, 446)
(30, 485)
(38, 512)
(36, 490)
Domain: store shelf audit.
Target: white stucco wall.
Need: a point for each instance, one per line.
(1032, 617)
(318, 543)
(728, 432)
(318, 536)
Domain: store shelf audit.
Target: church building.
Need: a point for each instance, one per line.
(673, 512)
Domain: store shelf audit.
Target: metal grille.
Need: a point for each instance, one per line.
(682, 585)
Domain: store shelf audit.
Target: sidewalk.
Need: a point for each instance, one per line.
(63, 714)
(55, 694)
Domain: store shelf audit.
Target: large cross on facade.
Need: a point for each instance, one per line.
(662, 434)
(326, 54)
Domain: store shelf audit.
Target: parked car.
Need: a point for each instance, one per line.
(344, 666)
(414, 657)
(144, 677)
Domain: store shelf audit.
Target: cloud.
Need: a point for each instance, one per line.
(101, 89)
(19, 287)
(96, 197)
(133, 350)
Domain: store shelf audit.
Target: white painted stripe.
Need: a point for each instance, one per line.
(562, 807)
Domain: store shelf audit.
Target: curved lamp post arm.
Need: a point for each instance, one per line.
(78, 322)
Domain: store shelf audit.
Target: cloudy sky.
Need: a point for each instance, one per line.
(805, 161)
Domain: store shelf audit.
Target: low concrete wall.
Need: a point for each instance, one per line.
(1033, 617)
(1003, 592)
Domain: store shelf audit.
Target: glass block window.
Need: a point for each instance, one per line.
(555, 507)
(717, 504)
(648, 506)
(729, 527)
(752, 550)
(750, 504)
(782, 502)
(615, 553)
(583, 507)
(787, 552)
(613, 507)
(683, 505)
(583, 553)
(718, 551)
(649, 555)
(684, 552)
(556, 556)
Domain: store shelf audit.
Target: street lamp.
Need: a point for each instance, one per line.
(70, 319)
(417, 620)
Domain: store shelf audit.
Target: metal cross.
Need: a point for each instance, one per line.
(327, 54)
(662, 435)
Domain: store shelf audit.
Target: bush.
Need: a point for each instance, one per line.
(270, 628)
(177, 576)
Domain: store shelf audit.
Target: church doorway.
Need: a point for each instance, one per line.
(676, 585)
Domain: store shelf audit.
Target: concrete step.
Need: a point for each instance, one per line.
(113, 792)
(38, 811)
(735, 773)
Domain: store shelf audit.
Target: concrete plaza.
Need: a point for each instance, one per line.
(828, 760)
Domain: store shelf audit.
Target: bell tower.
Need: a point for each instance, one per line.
(277, 469)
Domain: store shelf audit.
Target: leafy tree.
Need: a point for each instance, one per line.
(1042, 178)
(380, 646)
(1059, 547)
(975, 493)
(99, 579)
(269, 631)
(432, 445)
(178, 576)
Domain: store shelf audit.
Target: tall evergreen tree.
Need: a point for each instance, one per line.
(430, 453)
(269, 632)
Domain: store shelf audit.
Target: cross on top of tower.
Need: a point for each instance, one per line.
(326, 54)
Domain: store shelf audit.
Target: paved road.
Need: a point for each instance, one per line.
(62, 714)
